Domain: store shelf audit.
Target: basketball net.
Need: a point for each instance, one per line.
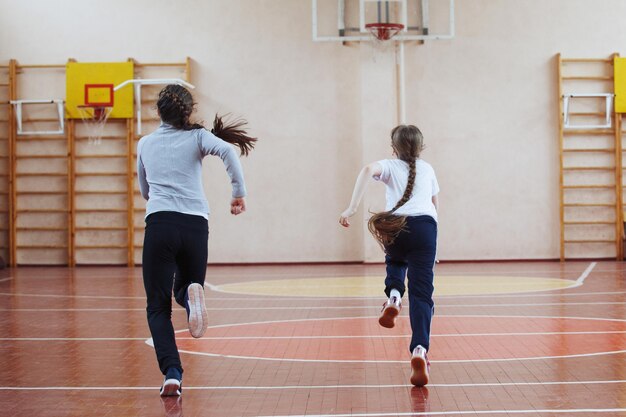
(94, 119)
(382, 35)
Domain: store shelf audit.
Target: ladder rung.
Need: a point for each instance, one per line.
(41, 156)
(590, 150)
(588, 168)
(44, 138)
(590, 241)
(41, 247)
(587, 60)
(100, 192)
(99, 156)
(42, 229)
(591, 78)
(43, 120)
(587, 186)
(587, 114)
(101, 247)
(41, 174)
(590, 132)
(589, 205)
(42, 211)
(102, 138)
(605, 60)
(96, 228)
(101, 174)
(41, 192)
(587, 222)
(101, 210)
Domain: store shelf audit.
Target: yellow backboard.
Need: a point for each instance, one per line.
(93, 82)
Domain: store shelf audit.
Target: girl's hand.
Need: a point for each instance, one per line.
(343, 219)
(237, 206)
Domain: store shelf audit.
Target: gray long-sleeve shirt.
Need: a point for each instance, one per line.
(169, 169)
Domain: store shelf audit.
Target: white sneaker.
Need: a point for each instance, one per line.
(198, 317)
(172, 384)
(390, 311)
(420, 366)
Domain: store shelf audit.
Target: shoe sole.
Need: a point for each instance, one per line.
(419, 377)
(388, 317)
(198, 318)
(171, 387)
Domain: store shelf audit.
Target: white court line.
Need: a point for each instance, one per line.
(212, 287)
(521, 295)
(74, 339)
(150, 342)
(279, 299)
(401, 336)
(469, 412)
(316, 387)
(106, 297)
(486, 316)
(257, 358)
(581, 279)
(376, 306)
(6, 279)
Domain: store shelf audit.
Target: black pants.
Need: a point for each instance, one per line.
(414, 250)
(175, 244)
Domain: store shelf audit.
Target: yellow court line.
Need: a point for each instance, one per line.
(445, 285)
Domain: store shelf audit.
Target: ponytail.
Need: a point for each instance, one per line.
(407, 142)
(386, 226)
(234, 133)
(176, 105)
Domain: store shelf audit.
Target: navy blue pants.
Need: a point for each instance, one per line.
(174, 256)
(414, 251)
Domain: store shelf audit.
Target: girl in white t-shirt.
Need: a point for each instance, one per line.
(407, 230)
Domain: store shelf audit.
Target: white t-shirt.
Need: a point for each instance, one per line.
(395, 175)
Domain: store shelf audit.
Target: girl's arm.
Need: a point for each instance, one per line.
(144, 188)
(436, 202)
(368, 171)
(212, 145)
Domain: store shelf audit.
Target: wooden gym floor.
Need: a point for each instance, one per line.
(535, 339)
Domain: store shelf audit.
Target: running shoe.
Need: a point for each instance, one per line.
(390, 311)
(196, 310)
(172, 386)
(420, 366)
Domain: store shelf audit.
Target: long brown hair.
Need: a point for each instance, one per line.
(407, 142)
(176, 105)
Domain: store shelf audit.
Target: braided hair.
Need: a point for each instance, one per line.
(407, 142)
(176, 105)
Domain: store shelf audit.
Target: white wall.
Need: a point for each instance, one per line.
(486, 102)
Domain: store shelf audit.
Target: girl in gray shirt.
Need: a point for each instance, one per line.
(169, 170)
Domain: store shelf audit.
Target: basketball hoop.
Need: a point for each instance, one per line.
(94, 118)
(95, 111)
(384, 31)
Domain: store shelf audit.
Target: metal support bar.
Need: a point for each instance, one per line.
(608, 106)
(137, 83)
(17, 104)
